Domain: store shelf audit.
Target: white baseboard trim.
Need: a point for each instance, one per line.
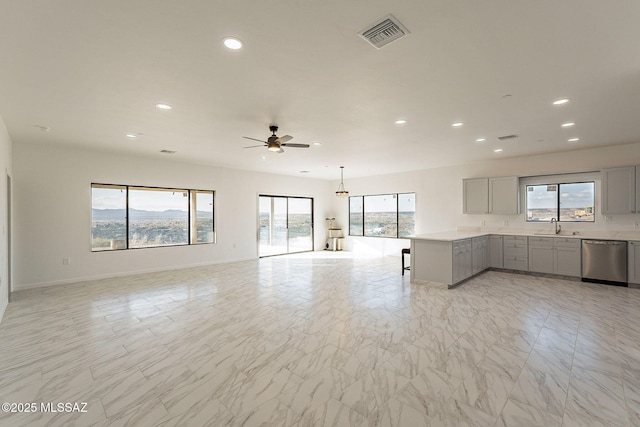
(23, 287)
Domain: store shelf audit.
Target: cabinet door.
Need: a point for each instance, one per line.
(541, 259)
(479, 254)
(495, 252)
(634, 262)
(567, 261)
(619, 190)
(504, 195)
(458, 264)
(475, 196)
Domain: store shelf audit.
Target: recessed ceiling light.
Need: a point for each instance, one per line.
(232, 43)
(316, 143)
(573, 139)
(263, 157)
(457, 124)
(130, 135)
(568, 124)
(400, 122)
(498, 150)
(561, 101)
(481, 139)
(163, 107)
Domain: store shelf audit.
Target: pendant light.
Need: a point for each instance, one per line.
(341, 191)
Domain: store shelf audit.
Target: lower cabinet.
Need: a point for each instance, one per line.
(515, 253)
(554, 255)
(567, 256)
(479, 254)
(462, 260)
(634, 262)
(541, 253)
(496, 259)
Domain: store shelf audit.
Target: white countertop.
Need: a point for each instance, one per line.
(449, 236)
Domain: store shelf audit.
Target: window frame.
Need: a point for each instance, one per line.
(191, 215)
(558, 193)
(397, 222)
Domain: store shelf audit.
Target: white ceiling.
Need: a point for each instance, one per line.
(92, 71)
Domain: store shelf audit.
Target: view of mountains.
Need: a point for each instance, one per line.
(137, 214)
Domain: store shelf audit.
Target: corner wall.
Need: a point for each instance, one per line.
(52, 205)
(5, 170)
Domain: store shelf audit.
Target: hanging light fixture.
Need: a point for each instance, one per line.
(341, 191)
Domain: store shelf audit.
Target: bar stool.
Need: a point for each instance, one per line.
(405, 251)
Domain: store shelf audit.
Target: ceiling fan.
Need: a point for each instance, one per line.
(275, 143)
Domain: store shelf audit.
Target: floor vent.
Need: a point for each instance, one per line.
(502, 138)
(383, 32)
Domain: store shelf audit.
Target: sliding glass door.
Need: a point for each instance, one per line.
(285, 225)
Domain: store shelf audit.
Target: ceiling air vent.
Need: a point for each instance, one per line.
(502, 138)
(384, 32)
(167, 151)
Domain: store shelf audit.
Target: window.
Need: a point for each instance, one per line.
(108, 217)
(381, 215)
(356, 220)
(406, 214)
(385, 215)
(569, 202)
(158, 217)
(124, 217)
(202, 220)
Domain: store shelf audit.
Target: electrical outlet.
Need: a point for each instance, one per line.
(484, 222)
(636, 225)
(506, 222)
(66, 261)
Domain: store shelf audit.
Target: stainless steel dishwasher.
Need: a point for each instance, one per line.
(604, 261)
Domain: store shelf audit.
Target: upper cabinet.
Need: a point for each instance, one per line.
(504, 198)
(476, 196)
(491, 195)
(620, 187)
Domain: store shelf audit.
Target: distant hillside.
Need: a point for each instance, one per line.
(136, 214)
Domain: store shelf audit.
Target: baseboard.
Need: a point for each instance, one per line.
(24, 287)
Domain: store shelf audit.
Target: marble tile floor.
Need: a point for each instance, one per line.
(323, 340)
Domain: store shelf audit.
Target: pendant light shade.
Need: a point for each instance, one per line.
(341, 191)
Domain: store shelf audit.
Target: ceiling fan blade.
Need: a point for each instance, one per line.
(285, 138)
(253, 139)
(296, 145)
(254, 146)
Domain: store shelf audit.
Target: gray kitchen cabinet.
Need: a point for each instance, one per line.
(462, 260)
(515, 253)
(555, 255)
(619, 190)
(475, 196)
(634, 262)
(504, 198)
(541, 254)
(479, 254)
(567, 256)
(495, 252)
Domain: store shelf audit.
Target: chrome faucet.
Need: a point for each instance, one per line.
(558, 227)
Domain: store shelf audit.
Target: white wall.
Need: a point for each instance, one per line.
(439, 193)
(5, 170)
(52, 205)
